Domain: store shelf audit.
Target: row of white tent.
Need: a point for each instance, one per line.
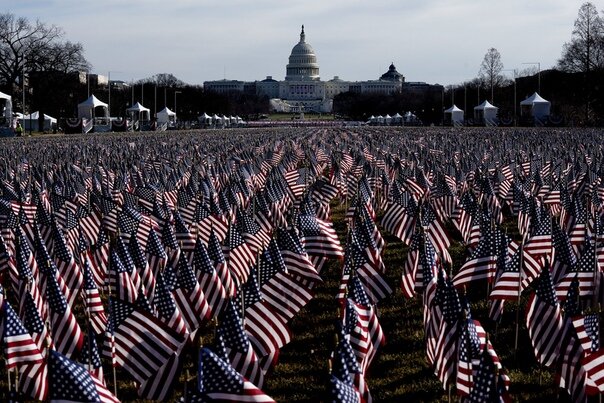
(216, 120)
(95, 108)
(534, 106)
(408, 117)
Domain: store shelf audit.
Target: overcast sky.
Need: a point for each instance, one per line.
(435, 41)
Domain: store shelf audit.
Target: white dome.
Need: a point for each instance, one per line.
(302, 61)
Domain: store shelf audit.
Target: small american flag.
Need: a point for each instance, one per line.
(19, 347)
(218, 381)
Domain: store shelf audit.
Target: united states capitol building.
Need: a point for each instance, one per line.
(304, 91)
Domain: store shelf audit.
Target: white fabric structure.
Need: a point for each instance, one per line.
(91, 107)
(397, 118)
(6, 107)
(139, 112)
(454, 116)
(166, 116)
(32, 122)
(535, 107)
(486, 113)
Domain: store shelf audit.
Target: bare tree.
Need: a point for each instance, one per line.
(163, 80)
(27, 46)
(585, 51)
(490, 70)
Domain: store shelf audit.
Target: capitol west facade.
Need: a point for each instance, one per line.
(303, 91)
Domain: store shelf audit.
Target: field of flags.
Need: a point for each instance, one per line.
(177, 267)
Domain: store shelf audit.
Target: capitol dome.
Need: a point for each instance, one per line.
(302, 61)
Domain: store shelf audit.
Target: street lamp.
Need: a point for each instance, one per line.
(175, 93)
(538, 74)
(515, 73)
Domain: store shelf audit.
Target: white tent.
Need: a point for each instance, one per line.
(166, 116)
(397, 118)
(485, 113)
(387, 119)
(89, 108)
(454, 116)
(535, 107)
(139, 112)
(6, 107)
(32, 122)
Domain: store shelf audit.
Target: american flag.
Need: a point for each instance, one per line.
(468, 351)
(573, 375)
(237, 347)
(318, 236)
(346, 368)
(66, 332)
(507, 282)
(92, 302)
(220, 264)
(295, 258)
(563, 257)
(585, 271)
(588, 332)
(100, 260)
(283, 293)
(436, 232)
(142, 343)
(445, 349)
(342, 391)
(32, 320)
(253, 235)
(184, 237)
(208, 278)
(69, 381)
(362, 324)
(144, 271)
(189, 296)
(540, 242)
(366, 264)
(121, 284)
(156, 255)
(160, 386)
(19, 347)
(483, 261)
(218, 381)
(400, 219)
(489, 383)
(167, 310)
(267, 330)
(90, 356)
(238, 255)
(544, 321)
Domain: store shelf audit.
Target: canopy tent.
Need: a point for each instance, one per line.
(32, 122)
(397, 118)
(6, 107)
(89, 108)
(454, 116)
(535, 106)
(139, 112)
(166, 116)
(486, 113)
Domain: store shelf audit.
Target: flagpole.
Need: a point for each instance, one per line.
(113, 330)
(595, 279)
(519, 293)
